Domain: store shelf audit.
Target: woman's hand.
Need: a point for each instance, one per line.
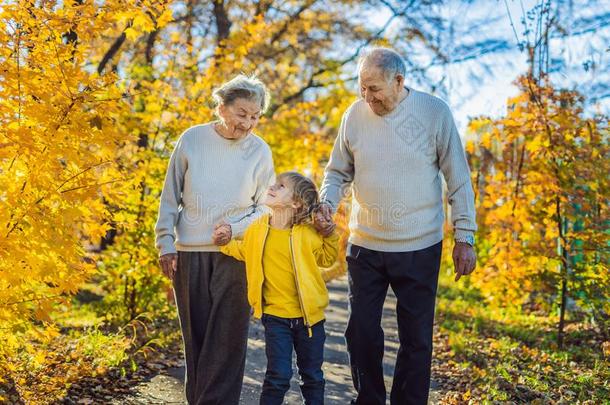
(222, 234)
(169, 264)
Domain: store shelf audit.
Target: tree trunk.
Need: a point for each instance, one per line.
(564, 274)
(223, 24)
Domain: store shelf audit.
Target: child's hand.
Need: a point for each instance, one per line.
(222, 234)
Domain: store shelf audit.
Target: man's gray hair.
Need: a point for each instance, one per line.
(242, 86)
(388, 60)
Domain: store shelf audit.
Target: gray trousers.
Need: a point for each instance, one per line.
(210, 290)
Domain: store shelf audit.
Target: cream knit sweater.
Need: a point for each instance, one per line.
(209, 179)
(394, 165)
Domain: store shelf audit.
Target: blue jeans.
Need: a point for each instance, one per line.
(281, 335)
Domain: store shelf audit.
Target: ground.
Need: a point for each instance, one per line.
(166, 387)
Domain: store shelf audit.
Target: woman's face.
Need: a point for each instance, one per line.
(239, 118)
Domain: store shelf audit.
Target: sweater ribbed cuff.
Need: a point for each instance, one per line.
(238, 229)
(462, 233)
(166, 245)
(333, 206)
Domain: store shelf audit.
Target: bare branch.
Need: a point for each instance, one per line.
(223, 23)
(112, 51)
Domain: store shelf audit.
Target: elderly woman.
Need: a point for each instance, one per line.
(218, 171)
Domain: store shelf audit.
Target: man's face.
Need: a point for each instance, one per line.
(380, 95)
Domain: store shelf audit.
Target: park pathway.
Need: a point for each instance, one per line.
(166, 387)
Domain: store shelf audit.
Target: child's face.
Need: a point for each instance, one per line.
(279, 195)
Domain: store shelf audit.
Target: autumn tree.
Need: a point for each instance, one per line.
(541, 175)
(59, 151)
(543, 187)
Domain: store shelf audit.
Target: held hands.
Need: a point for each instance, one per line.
(464, 259)
(323, 220)
(169, 264)
(222, 234)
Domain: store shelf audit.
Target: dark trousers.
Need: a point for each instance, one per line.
(413, 277)
(281, 335)
(210, 290)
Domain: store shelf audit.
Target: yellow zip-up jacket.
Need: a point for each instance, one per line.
(308, 250)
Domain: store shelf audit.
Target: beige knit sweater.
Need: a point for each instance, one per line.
(394, 165)
(209, 179)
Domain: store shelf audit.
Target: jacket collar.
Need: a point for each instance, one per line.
(263, 221)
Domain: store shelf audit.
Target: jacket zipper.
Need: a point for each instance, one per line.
(296, 279)
(263, 267)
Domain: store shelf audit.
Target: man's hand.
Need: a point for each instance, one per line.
(222, 234)
(326, 210)
(464, 259)
(323, 220)
(169, 264)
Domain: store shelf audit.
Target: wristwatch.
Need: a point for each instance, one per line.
(466, 239)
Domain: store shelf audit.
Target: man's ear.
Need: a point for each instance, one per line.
(400, 81)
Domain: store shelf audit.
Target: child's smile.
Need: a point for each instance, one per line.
(279, 195)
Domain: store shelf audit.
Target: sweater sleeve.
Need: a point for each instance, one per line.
(171, 199)
(454, 166)
(264, 179)
(339, 172)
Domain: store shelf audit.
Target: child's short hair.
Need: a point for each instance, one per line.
(304, 191)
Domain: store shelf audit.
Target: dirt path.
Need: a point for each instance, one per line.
(167, 386)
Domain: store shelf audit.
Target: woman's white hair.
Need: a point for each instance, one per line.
(388, 60)
(242, 86)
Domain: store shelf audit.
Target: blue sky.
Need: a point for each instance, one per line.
(482, 86)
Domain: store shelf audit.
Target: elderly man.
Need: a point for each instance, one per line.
(392, 147)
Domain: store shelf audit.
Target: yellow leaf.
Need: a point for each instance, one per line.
(466, 395)
(131, 34)
(486, 140)
(143, 23)
(40, 357)
(470, 147)
(164, 18)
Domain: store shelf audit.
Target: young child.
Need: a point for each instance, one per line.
(283, 252)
